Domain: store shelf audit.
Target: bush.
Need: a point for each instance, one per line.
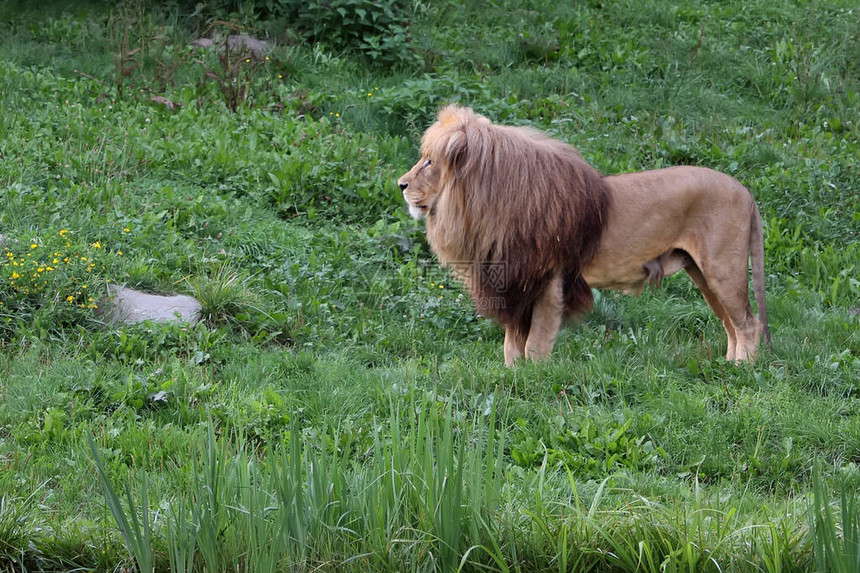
(379, 29)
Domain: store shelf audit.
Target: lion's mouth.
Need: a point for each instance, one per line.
(418, 211)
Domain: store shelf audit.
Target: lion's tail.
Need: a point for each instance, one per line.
(757, 263)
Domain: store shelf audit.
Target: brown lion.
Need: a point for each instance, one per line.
(530, 228)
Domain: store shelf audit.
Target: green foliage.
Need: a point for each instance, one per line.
(136, 529)
(835, 541)
(379, 29)
(340, 405)
(53, 277)
(15, 516)
(586, 448)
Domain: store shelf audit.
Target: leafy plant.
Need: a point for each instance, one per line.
(55, 274)
(239, 64)
(588, 449)
(377, 28)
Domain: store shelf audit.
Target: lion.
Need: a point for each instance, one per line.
(530, 228)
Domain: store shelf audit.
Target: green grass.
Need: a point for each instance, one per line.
(340, 407)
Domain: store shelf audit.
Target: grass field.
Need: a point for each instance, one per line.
(340, 407)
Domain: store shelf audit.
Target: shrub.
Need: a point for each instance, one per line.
(379, 29)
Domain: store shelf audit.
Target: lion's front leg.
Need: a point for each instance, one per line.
(546, 320)
(515, 345)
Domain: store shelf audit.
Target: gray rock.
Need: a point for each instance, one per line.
(129, 306)
(255, 46)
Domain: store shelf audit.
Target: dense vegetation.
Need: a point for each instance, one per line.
(340, 407)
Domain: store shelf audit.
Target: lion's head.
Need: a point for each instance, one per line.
(441, 145)
(420, 186)
(508, 208)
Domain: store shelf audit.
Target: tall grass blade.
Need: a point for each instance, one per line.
(181, 538)
(136, 531)
(14, 516)
(836, 549)
(208, 511)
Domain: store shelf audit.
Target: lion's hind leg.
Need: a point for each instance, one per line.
(715, 304)
(728, 297)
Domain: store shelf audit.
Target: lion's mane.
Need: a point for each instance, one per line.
(514, 209)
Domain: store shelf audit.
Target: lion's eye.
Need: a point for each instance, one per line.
(428, 164)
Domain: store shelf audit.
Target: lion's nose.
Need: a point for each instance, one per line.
(403, 186)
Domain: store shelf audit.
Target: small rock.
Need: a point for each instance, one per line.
(169, 104)
(253, 45)
(129, 306)
(203, 43)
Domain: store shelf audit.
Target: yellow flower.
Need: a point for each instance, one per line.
(15, 275)
(126, 230)
(97, 245)
(70, 298)
(34, 246)
(64, 232)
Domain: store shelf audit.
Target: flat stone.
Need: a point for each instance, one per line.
(129, 306)
(255, 46)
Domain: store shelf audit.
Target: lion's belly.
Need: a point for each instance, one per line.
(628, 276)
(652, 216)
(625, 250)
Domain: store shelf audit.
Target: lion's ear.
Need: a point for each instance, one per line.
(455, 146)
